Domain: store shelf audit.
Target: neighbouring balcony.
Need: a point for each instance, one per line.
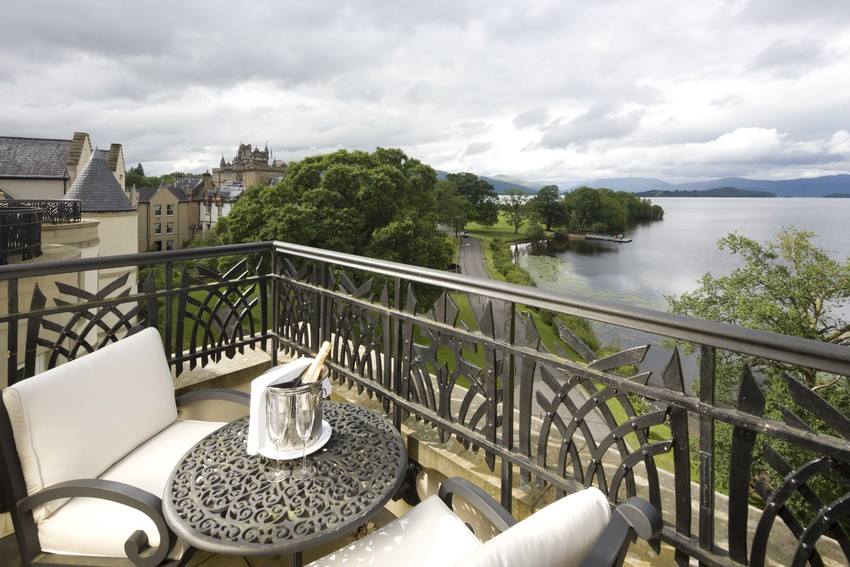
(470, 371)
(20, 233)
(53, 211)
(20, 225)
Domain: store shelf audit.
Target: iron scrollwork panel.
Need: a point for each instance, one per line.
(65, 336)
(219, 314)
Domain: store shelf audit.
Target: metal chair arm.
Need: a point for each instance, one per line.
(634, 517)
(221, 394)
(137, 546)
(478, 499)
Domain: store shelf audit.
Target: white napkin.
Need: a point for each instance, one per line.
(280, 374)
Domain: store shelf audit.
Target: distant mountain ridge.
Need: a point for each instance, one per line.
(802, 187)
(827, 185)
(500, 185)
(718, 192)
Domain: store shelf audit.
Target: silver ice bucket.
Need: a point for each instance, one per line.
(288, 400)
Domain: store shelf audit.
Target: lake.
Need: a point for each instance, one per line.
(668, 257)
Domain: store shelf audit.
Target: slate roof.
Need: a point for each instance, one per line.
(37, 158)
(177, 192)
(146, 193)
(97, 188)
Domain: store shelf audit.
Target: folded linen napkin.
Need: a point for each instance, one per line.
(280, 374)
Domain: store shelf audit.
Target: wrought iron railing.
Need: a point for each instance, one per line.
(20, 233)
(53, 211)
(473, 359)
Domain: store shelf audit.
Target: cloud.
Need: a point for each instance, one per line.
(790, 58)
(601, 121)
(477, 148)
(536, 117)
(525, 90)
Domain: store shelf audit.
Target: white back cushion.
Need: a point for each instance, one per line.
(78, 419)
(559, 535)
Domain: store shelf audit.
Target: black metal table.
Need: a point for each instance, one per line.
(217, 498)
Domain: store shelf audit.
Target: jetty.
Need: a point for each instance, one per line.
(608, 237)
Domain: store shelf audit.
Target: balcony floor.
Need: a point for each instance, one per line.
(9, 549)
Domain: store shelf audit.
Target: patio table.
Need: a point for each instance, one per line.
(217, 498)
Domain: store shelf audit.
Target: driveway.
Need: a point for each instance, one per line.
(471, 262)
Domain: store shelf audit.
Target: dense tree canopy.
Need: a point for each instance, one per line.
(453, 209)
(480, 195)
(515, 208)
(136, 177)
(381, 204)
(604, 210)
(548, 206)
(788, 286)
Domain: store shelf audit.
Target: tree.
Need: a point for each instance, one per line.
(788, 286)
(548, 206)
(480, 195)
(604, 210)
(136, 177)
(380, 204)
(452, 208)
(595, 210)
(515, 207)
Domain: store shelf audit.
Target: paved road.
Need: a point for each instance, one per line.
(471, 260)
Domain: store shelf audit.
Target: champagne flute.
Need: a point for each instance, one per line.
(277, 422)
(305, 415)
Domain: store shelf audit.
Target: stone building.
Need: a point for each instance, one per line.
(102, 199)
(171, 215)
(250, 167)
(219, 203)
(46, 168)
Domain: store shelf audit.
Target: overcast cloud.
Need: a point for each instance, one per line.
(549, 91)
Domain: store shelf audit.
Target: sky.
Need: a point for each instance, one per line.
(556, 91)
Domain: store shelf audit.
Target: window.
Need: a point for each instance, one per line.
(169, 245)
(169, 210)
(169, 228)
(157, 210)
(209, 209)
(157, 228)
(157, 245)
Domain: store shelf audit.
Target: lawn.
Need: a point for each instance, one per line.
(486, 234)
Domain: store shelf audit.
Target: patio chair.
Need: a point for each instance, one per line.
(87, 448)
(576, 531)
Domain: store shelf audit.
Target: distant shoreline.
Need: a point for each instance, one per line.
(718, 192)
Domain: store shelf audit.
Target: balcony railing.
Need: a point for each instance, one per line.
(53, 211)
(20, 233)
(469, 358)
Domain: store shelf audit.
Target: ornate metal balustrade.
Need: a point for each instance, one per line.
(53, 211)
(470, 358)
(20, 233)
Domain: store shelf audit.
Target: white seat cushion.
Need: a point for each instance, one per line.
(78, 419)
(429, 535)
(559, 535)
(87, 526)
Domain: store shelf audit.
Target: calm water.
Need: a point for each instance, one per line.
(668, 257)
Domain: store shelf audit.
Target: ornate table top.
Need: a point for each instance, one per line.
(218, 499)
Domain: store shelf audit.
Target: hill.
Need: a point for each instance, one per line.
(804, 187)
(718, 192)
(500, 185)
(631, 184)
(838, 196)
